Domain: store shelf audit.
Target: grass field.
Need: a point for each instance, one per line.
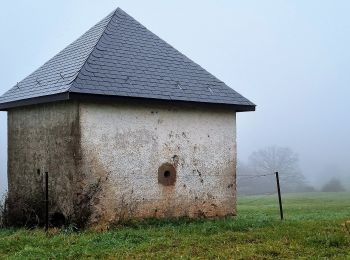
(314, 228)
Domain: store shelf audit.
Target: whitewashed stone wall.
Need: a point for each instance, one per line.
(103, 160)
(124, 144)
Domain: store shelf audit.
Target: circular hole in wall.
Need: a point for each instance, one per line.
(167, 174)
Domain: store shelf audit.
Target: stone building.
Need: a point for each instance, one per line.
(126, 127)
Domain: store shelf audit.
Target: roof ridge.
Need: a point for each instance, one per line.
(92, 50)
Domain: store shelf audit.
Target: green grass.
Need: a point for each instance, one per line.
(312, 229)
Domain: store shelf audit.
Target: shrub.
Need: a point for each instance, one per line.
(3, 211)
(17, 212)
(333, 185)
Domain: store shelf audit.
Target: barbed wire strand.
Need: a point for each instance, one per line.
(240, 177)
(254, 175)
(258, 199)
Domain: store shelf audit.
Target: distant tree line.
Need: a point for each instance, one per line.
(256, 175)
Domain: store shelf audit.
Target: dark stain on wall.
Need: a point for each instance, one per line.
(167, 174)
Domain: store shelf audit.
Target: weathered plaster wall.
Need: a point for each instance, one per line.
(45, 138)
(103, 159)
(124, 144)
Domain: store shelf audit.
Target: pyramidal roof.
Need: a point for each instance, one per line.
(119, 57)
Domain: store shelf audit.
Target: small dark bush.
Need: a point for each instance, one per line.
(333, 185)
(16, 212)
(24, 212)
(3, 211)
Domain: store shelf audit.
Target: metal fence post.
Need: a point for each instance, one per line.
(46, 201)
(279, 195)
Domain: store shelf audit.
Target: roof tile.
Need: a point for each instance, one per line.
(120, 57)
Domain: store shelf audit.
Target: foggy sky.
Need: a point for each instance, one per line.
(291, 58)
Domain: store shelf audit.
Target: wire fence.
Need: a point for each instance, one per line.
(252, 176)
(255, 198)
(261, 195)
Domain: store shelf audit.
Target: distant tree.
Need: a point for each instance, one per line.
(282, 159)
(248, 184)
(333, 185)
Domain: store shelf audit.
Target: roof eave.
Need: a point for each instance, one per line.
(104, 98)
(96, 97)
(34, 101)
(245, 108)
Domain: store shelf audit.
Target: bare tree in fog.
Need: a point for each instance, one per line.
(274, 158)
(263, 163)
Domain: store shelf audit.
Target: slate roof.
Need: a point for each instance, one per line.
(120, 57)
